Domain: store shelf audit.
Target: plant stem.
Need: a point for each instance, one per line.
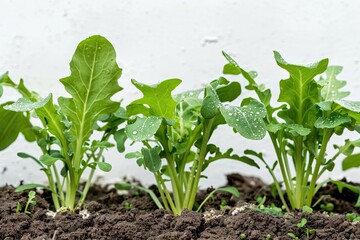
(202, 155)
(319, 159)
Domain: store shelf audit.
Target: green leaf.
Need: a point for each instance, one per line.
(12, 123)
(331, 85)
(31, 186)
(101, 144)
(93, 81)
(297, 129)
(300, 90)
(25, 104)
(143, 128)
(247, 120)
(232, 67)
(25, 155)
(211, 103)
(48, 160)
(274, 127)
(218, 155)
(352, 161)
(127, 186)
(228, 92)
(120, 138)
(333, 120)
(152, 160)
(231, 190)
(157, 98)
(104, 166)
(263, 94)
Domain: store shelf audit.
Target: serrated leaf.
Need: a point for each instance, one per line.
(143, 128)
(104, 166)
(51, 119)
(25, 104)
(333, 120)
(331, 86)
(93, 81)
(247, 120)
(300, 90)
(152, 160)
(157, 99)
(352, 161)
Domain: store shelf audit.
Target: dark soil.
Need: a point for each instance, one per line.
(134, 216)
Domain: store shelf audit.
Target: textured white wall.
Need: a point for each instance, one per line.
(156, 40)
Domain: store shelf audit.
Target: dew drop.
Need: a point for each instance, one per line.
(134, 132)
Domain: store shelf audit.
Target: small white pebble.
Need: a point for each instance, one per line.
(85, 214)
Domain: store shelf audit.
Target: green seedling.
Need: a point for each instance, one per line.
(292, 235)
(65, 135)
(353, 217)
(268, 237)
(175, 131)
(128, 205)
(242, 236)
(313, 111)
(301, 225)
(328, 207)
(223, 205)
(31, 200)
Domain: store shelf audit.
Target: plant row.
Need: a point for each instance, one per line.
(174, 129)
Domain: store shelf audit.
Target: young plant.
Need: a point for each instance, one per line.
(301, 129)
(64, 138)
(175, 131)
(31, 200)
(13, 123)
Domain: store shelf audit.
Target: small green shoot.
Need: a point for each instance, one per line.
(31, 200)
(328, 207)
(242, 236)
(292, 235)
(353, 217)
(301, 225)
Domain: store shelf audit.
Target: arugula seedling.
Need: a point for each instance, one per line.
(301, 129)
(31, 200)
(175, 131)
(64, 138)
(13, 123)
(353, 217)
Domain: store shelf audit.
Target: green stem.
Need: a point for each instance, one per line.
(319, 159)
(299, 198)
(161, 191)
(284, 172)
(202, 155)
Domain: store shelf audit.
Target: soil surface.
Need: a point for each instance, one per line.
(134, 216)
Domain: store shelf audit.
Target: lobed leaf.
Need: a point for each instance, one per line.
(93, 81)
(331, 86)
(300, 90)
(157, 99)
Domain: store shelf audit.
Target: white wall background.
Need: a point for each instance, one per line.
(157, 40)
